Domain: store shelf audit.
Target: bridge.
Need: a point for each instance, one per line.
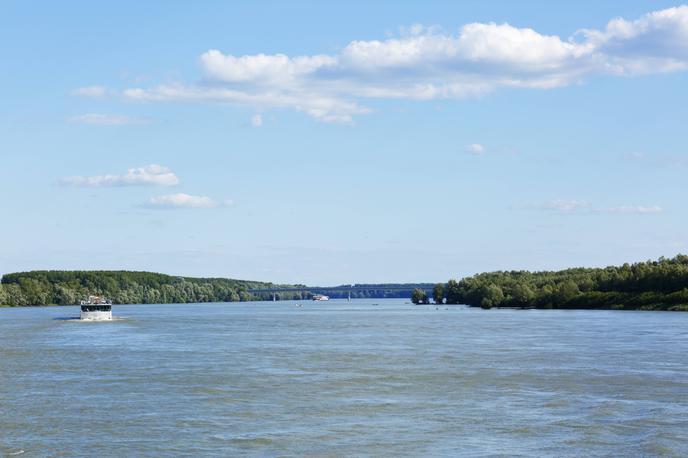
(427, 287)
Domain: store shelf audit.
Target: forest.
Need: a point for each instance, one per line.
(122, 287)
(651, 285)
(127, 287)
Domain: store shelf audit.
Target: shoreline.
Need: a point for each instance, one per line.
(614, 309)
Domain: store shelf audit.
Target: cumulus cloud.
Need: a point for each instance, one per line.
(428, 63)
(181, 200)
(579, 206)
(100, 119)
(257, 120)
(654, 43)
(150, 175)
(90, 91)
(261, 67)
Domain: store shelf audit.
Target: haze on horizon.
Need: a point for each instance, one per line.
(342, 143)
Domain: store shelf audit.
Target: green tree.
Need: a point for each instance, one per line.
(438, 293)
(452, 292)
(36, 292)
(566, 291)
(523, 295)
(544, 297)
(492, 296)
(63, 295)
(419, 297)
(15, 296)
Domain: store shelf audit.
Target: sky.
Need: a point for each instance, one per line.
(334, 143)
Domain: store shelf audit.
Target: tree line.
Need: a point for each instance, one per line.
(122, 287)
(375, 290)
(651, 285)
(127, 287)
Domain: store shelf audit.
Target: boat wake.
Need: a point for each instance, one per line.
(79, 320)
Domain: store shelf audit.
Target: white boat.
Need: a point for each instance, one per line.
(321, 297)
(96, 308)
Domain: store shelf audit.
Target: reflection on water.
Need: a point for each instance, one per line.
(341, 379)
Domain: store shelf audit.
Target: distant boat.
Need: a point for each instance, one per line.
(96, 308)
(321, 297)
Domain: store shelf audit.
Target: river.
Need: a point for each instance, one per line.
(361, 378)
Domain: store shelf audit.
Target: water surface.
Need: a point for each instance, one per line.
(343, 379)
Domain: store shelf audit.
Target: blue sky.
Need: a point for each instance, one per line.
(327, 144)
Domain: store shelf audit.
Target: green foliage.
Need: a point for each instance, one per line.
(453, 293)
(438, 293)
(492, 296)
(125, 287)
(14, 295)
(651, 285)
(523, 294)
(565, 292)
(122, 287)
(419, 297)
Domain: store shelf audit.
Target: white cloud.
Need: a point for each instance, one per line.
(562, 205)
(321, 107)
(257, 120)
(477, 49)
(181, 200)
(475, 148)
(427, 63)
(261, 67)
(91, 91)
(106, 119)
(579, 206)
(150, 175)
(633, 209)
(654, 43)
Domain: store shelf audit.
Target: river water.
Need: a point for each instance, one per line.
(360, 378)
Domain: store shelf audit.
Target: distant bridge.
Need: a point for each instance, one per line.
(342, 288)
